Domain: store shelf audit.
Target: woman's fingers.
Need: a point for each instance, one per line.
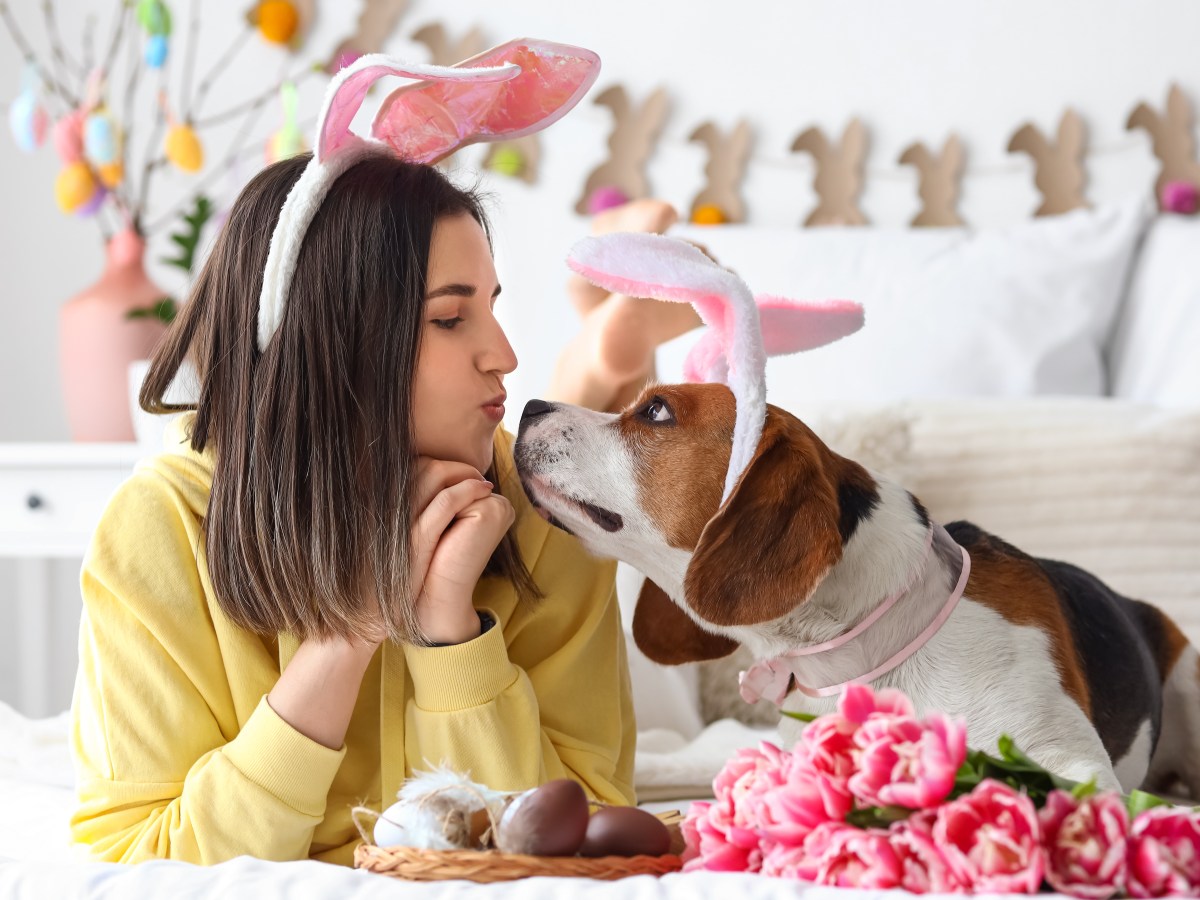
(447, 504)
(435, 475)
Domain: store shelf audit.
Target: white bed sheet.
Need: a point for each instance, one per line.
(38, 863)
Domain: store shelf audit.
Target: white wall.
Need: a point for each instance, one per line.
(912, 70)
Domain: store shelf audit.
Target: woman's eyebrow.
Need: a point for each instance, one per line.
(457, 290)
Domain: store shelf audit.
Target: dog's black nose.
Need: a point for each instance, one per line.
(535, 408)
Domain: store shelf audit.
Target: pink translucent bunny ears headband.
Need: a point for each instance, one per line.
(742, 330)
(507, 92)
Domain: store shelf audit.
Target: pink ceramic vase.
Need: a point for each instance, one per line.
(97, 342)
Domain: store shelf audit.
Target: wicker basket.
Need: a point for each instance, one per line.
(487, 866)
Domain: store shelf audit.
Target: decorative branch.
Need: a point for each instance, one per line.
(256, 102)
(58, 50)
(206, 82)
(89, 43)
(234, 155)
(134, 68)
(189, 62)
(27, 51)
(124, 14)
(152, 162)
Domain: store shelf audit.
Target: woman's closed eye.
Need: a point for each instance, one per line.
(447, 324)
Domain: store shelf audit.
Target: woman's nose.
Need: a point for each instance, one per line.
(499, 356)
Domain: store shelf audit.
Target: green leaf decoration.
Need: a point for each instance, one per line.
(799, 716)
(1140, 801)
(1084, 790)
(188, 239)
(877, 816)
(163, 309)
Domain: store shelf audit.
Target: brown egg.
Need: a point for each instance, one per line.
(625, 831)
(547, 821)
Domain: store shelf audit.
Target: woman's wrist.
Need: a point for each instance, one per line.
(449, 621)
(319, 686)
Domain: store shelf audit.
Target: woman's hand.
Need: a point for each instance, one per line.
(459, 524)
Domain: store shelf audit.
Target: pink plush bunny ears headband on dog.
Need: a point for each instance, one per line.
(507, 92)
(743, 330)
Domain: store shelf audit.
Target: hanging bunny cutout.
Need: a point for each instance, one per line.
(742, 330)
(504, 93)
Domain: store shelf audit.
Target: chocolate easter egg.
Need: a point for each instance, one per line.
(547, 821)
(625, 831)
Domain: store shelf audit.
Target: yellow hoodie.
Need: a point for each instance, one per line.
(179, 756)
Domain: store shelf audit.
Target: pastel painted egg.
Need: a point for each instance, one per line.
(547, 821)
(708, 214)
(507, 160)
(277, 21)
(74, 187)
(156, 50)
(284, 144)
(100, 139)
(1181, 197)
(603, 198)
(625, 831)
(93, 204)
(183, 148)
(28, 122)
(111, 174)
(154, 17)
(68, 137)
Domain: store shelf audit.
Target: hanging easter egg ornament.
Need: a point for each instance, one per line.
(287, 141)
(154, 17)
(92, 205)
(507, 160)
(111, 174)
(26, 117)
(605, 197)
(709, 214)
(68, 137)
(278, 21)
(74, 187)
(183, 148)
(156, 51)
(100, 144)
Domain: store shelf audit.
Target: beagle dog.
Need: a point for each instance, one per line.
(829, 574)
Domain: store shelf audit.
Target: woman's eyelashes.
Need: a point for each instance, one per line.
(447, 324)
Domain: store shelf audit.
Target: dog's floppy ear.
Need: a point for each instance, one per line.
(775, 538)
(667, 635)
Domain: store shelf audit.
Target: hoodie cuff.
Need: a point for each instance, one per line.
(463, 675)
(283, 762)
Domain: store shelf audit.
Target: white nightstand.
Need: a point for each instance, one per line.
(51, 496)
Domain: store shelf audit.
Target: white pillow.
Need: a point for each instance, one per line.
(1111, 486)
(1156, 348)
(949, 312)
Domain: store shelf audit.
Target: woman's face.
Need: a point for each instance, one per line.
(458, 399)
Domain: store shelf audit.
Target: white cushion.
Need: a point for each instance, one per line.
(1111, 486)
(1156, 348)
(951, 312)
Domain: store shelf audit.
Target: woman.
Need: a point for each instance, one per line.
(336, 578)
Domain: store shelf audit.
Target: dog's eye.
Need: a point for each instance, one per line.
(658, 411)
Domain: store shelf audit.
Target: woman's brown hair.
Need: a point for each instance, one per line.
(312, 495)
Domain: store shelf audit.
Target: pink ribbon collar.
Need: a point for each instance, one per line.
(773, 679)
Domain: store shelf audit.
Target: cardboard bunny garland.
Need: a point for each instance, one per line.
(743, 330)
(510, 91)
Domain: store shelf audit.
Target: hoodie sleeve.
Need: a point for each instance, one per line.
(164, 768)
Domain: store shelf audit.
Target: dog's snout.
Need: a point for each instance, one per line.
(535, 408)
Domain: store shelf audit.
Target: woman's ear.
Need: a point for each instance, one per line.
(667, 635)
(775, 538)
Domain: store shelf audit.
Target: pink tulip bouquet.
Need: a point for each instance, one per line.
(874, 797)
